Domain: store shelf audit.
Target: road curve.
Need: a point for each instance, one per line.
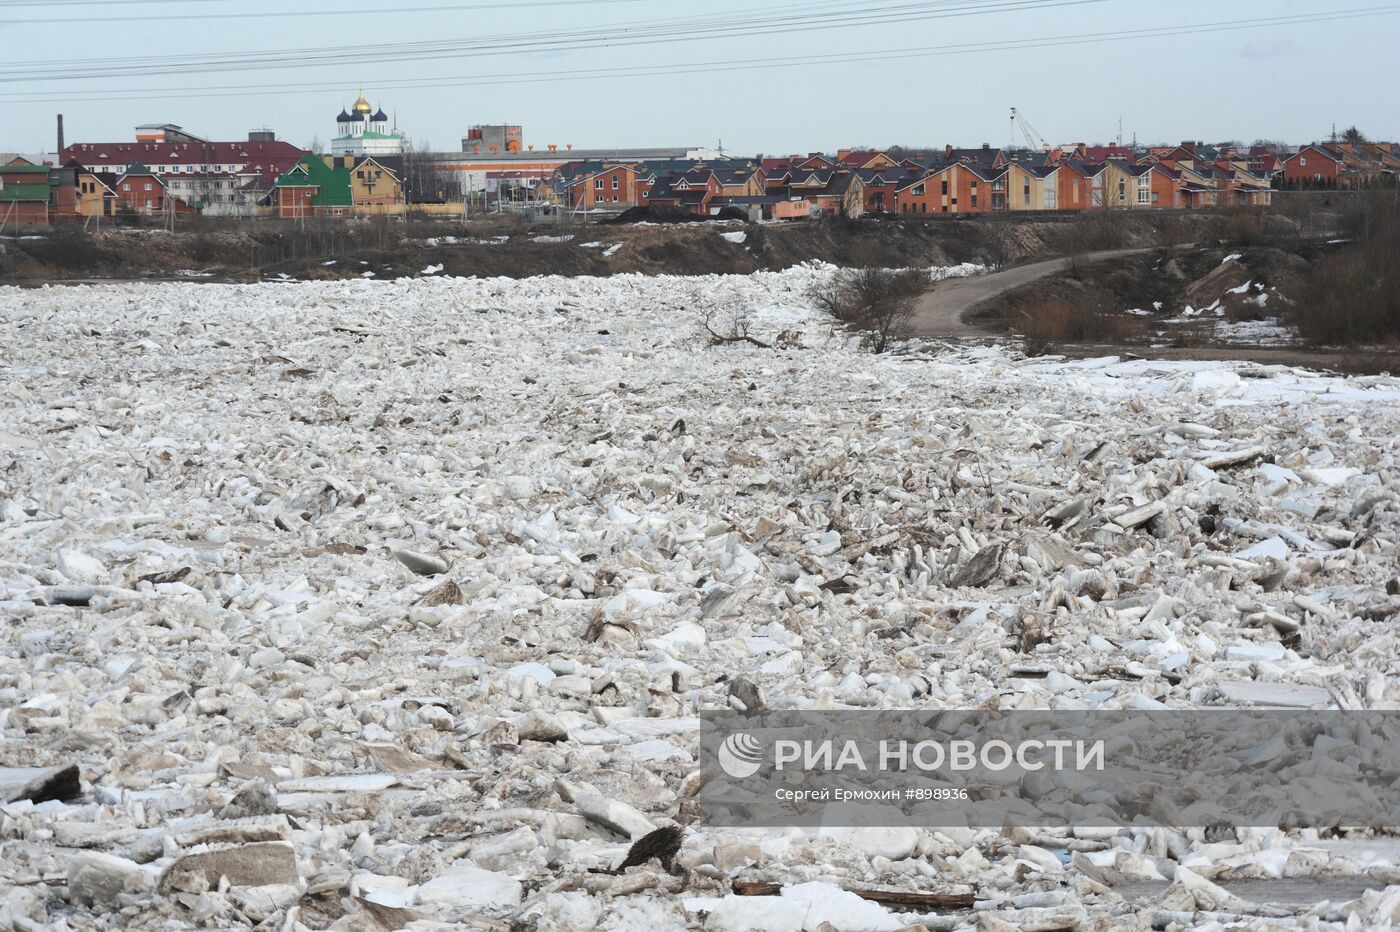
(941, 313)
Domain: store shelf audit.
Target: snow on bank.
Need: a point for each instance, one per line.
(229, 515)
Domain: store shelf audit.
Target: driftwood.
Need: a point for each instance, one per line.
(739, 333)
(903, 899)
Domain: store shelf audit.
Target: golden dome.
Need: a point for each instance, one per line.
(362, 105)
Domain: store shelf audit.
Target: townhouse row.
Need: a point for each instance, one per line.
(959, 182)
(167, 171)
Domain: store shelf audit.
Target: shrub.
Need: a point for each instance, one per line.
(1353, 296)
(877, 301)
(204, 248)
(1242, 227)
(1243, 308)
(68, 247)
(1097, 231)
(1055, 321)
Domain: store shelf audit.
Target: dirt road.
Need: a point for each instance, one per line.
(941, 312)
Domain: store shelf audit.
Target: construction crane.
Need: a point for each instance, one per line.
(1033, 138)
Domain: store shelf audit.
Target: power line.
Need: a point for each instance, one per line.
(53, 3)
(616, 35)
(733, 65)
(275, 14)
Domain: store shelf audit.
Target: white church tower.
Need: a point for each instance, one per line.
(360, 132)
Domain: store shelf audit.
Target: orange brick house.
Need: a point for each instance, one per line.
(1073, 186)
(691, 190)
(141, 190)
(607, 186)
(880, 185)
(957, 188)
(1313, 166)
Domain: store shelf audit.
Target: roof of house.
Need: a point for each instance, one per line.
(276, 155)
(139, 170)
(1027, 156)
(734, 175)
(736, 200)
(1087, 169)
(332, 184)
(1104, 153)
(862, 158)
(887, 175)
(24, 167)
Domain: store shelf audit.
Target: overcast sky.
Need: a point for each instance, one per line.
(1290, 82)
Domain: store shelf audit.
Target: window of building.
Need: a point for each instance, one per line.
(148, 186)
(974, 200)
(1026, 188)
(614, 184)
(1145, 188)
(126, 187)
(598, 184)
(1303, 161)
(1122, 189)
(945, 187)
(918, 190)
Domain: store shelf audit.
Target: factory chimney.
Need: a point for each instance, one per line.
(60, 136)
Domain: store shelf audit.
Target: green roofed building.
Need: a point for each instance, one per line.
(25, 194)
(339, 186)
(314, 187)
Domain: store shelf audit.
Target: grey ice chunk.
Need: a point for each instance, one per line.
(1139, 516)
(81, 568)
(613, 815)
(537, 725)
(98, 879)
(1292, 695)
(421, 563)
(254, 865)
(74, 596)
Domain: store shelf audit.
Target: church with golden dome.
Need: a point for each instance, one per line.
(363, 130)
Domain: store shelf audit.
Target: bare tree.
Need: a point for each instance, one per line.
(425, 180)
(317, 147)
(1000, 244)
(736, 331)
(878, 301)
